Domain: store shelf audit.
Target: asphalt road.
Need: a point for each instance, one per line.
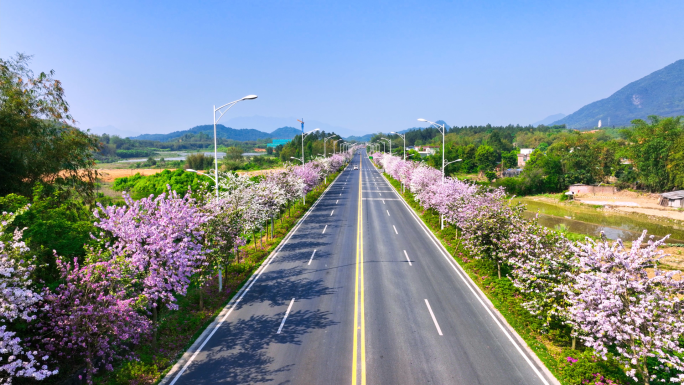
(360, 293)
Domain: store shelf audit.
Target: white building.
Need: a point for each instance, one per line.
(524, 156)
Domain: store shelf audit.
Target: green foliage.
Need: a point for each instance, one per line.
(180, 180)
(199, 161)
(36, 142)
(490, 175)
(234, 153)
(55, 221)
(485, 158)
(510, 159)
(651, 150)
(136, 153)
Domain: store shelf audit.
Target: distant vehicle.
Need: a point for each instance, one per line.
(356, 167)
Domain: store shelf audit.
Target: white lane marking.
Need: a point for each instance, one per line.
(331, 213)
(311, 259)
(388, 214)
(244, 290)
(383, 201)
(429, 308)
(337, 201)
(380, 193)
(326, 226)
(407, 258)
(290, 307)
(395, 230)
(456, 268)
(340, 194)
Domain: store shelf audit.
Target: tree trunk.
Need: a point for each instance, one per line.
(201, 298)
(573, 342)
(154, 323)
(498, 266)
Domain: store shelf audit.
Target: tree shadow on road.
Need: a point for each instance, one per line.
(239, 352)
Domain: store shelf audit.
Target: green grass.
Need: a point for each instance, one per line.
(551, 346)
(179, 329)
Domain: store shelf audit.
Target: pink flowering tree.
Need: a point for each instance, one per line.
(486, 221)
(158, 238)
(91, 318)
(617, 305)
(422, 177)
(18, 301)
(542, 262)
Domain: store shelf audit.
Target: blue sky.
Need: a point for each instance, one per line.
(366, 66)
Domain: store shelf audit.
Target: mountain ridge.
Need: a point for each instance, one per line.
(658, 93)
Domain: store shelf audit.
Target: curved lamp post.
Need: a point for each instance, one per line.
(227, 107)
(325, 140)
(403, 137)
(303, 135)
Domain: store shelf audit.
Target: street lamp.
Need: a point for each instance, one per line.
(227, 107)
(292, 157)
(325, 140)
(335, 141)
(303, 135)
(403, 137)
(443, 130)
(390, 143)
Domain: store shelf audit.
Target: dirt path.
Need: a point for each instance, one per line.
(108, 175)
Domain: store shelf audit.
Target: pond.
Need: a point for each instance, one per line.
(586, 221)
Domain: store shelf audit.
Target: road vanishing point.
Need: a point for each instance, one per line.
(360, 292)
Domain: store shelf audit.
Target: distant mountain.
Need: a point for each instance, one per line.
(110, 130)
(266, 123)
(364, 138)
(660, 93)
(549, 119)
(285, 133)
(222, 131)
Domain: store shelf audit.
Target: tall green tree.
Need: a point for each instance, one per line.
(651, 149)
(37, 143)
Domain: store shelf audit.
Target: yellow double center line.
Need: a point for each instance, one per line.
(359, 316)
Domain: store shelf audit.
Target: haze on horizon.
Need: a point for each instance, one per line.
(360, 66)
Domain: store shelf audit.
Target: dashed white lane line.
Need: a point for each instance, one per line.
(326, 226)
(331, 213)
(407, 258)
(388, 214)
(395, 230)
(311, 259)
(431, 315)
(383, 201)
(288, 312)
(337, 201)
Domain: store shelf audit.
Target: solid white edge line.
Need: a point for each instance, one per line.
(286, 314)
(431, 315)
(395, 230)
(311, 259)
(326, 226)
(407, 258)
(463, 276)
(245, 288)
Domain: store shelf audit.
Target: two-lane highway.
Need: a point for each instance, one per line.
(359, 293)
